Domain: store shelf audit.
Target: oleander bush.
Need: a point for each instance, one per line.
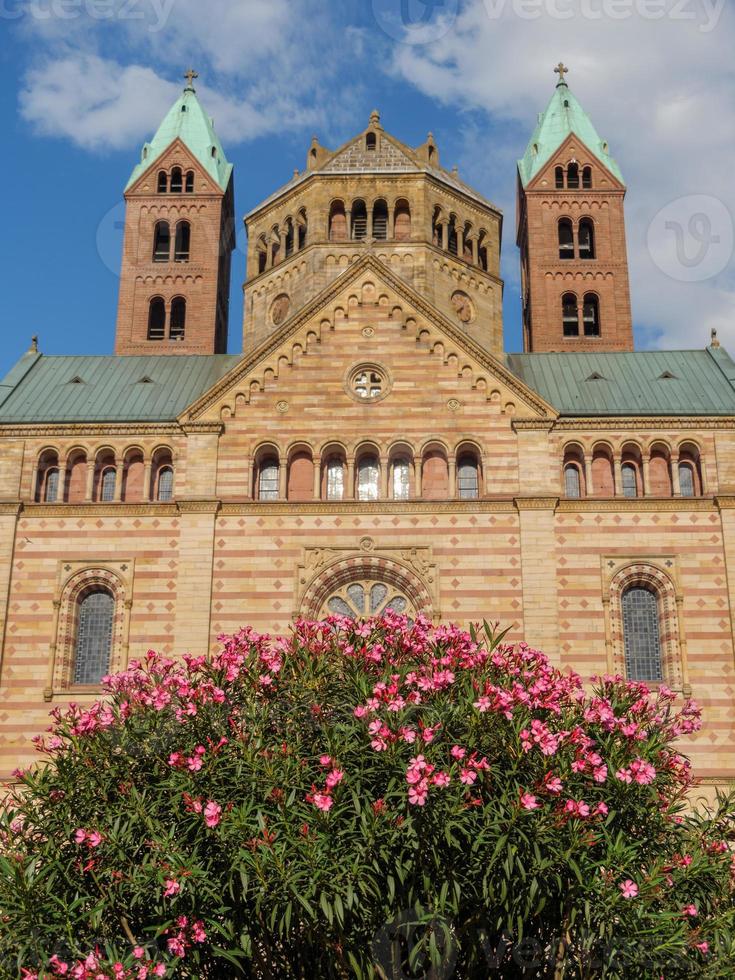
(387, 799)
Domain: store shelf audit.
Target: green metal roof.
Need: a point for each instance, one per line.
(680, 382)
(187, 120)
(153, 388)
(563, 116)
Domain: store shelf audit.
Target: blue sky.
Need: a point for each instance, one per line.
(86, 81)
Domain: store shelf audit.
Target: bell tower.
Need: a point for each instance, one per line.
(571, 234)
(178, 241)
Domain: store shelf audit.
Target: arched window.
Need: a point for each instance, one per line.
(452, 240)
(51, 485)
(358, 600)
(302, 229)
(436, 229)
(156, 319)
(434, 475)
(566, 239)
(161, 242)
(177, 184)
(559, 178)
(643, 660)
(177, 328)
(687, 483)
(586, 239)
(165, 489)
(402, 222)
(189, 181)
(289, 238)
(368, 478)
(93, 645)
(572, 481)
(570, 315)
(268, 479)
(401, 470)
(591, 315)
(262, 261)
(380, 220)
(183, 242)
(371, 141)
(359, 220)
(482, 257)
(162, 182)
(335, 478)
(630, 480)
(573, 176)
(468, 477)
(107, 484)
(587, 178)
(337, 222)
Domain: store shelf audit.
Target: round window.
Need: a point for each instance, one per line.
(368, 383)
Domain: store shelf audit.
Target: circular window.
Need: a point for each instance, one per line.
(279, 308)
(359, 600)
(368, 383)
(463, 306)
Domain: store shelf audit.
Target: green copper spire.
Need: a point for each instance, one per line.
(563, 116)
(187, 120)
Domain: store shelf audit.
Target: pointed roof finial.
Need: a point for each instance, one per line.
(33, 349)
(375, 118)
(561, 70)
(714, 342)
(190, 75)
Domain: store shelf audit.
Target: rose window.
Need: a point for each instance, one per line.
(368, 384)
(358, 600)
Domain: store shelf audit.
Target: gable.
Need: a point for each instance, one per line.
(364, 308)
(177, 154)
(575, 148)
(355, 157)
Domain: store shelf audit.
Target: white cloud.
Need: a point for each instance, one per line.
(262, 69)
(662, 92)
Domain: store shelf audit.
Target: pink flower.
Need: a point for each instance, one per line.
(159, 970)
(458, 752)
(94, 839)
(628, 888)
(322, 801)
(325, 760)
(601, 810)
(599, 774)
(175, 946)
(334, 778)
(212, 813)
(80, 836)
(624, 776)
(138, 952)
(428, 734)
(529, 801)
(198, 934)
(467, 776)
(690, 910)
(482, 704)
(172, 887)
(417, 793)
(703, 947)
(552, 784)
(441, 779)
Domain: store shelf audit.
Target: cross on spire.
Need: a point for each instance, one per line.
(190, 75)
(561, 70)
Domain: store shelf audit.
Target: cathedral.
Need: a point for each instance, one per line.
(374, 446)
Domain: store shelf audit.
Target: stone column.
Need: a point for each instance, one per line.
(445, 235)
(647, 476)
(61, 492)
(589, 485)
(194, 582)
(249, 477)
(350, 485)
(383, 477)
(539, 569)
(460, 242)
(369, 232)
(452, 467)
(119, 465)
(90, 481)
(618, 476)
(417, 477)
(348, 219)
(147, 463)
(475, 250)
(317, 479)
(282, 477)
(675, 480)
